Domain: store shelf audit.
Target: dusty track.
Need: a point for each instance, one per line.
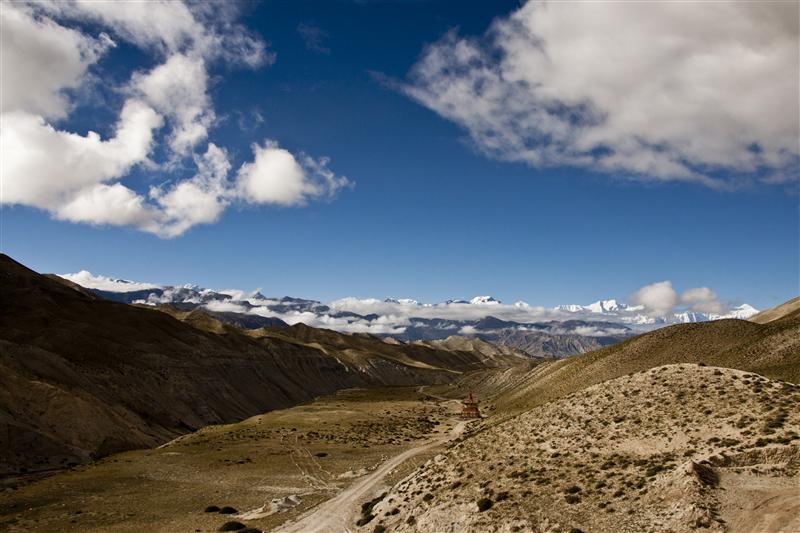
(340, 512)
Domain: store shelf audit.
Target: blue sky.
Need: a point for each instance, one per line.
(430, 212)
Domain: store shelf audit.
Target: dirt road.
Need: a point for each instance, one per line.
(339, 514)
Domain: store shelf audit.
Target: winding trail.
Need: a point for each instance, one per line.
(339, 514)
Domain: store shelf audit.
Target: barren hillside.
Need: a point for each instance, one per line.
(772, 350)
(675, 448)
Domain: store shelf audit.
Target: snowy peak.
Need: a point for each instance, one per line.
(601, 306)
(742, 312)
(402, 301)
(605, 306)
(484, 300)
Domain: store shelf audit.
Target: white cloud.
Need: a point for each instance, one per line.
(224, 306)
(86, 279)
(649, 90)
(198, 200)
(79, 178)
(658, 299)
(44, 167)
(702, 300)
(40, 60)
(450, 311)
(276, 176)
(169, 27)
(177, 90)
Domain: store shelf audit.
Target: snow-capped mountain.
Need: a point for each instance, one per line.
(402, 318)
(635, 315)
(742, 312)
(601, 306)
(485, 300)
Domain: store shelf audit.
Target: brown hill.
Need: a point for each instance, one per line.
(676, 448)
(779, 311)
(771, 349)
(82, 377)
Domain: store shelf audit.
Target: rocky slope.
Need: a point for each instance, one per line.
(82, 377)
(674, 448)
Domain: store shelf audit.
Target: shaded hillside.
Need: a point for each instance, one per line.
(675, 448)
(82, 377)
(779, 311)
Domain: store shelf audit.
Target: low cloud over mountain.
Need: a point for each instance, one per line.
(406, 319)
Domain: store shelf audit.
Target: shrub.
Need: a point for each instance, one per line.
(484, 504)
(212, 509)
(228, 510)
(365, 519)
(232, 526)
(411, 520)
(321, 454)
(572, 490)
(379, 529)
(572, 498)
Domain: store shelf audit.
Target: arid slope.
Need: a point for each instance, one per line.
(675, 448)
(771, 349)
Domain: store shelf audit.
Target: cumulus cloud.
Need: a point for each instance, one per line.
(658, 299)
(276, 176)
(45, 58)
(81, 178)
(177, 89)
(649, 90)
(43, 166)
(702, 300)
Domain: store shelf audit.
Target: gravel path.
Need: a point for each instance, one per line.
(339, 514)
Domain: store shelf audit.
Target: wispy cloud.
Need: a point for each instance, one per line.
(313, 37)
(650, 91)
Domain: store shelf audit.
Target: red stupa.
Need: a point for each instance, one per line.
(470, 409)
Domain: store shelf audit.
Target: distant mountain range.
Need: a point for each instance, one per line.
(539, 331)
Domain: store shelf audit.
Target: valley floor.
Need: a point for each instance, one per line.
(272, 468)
